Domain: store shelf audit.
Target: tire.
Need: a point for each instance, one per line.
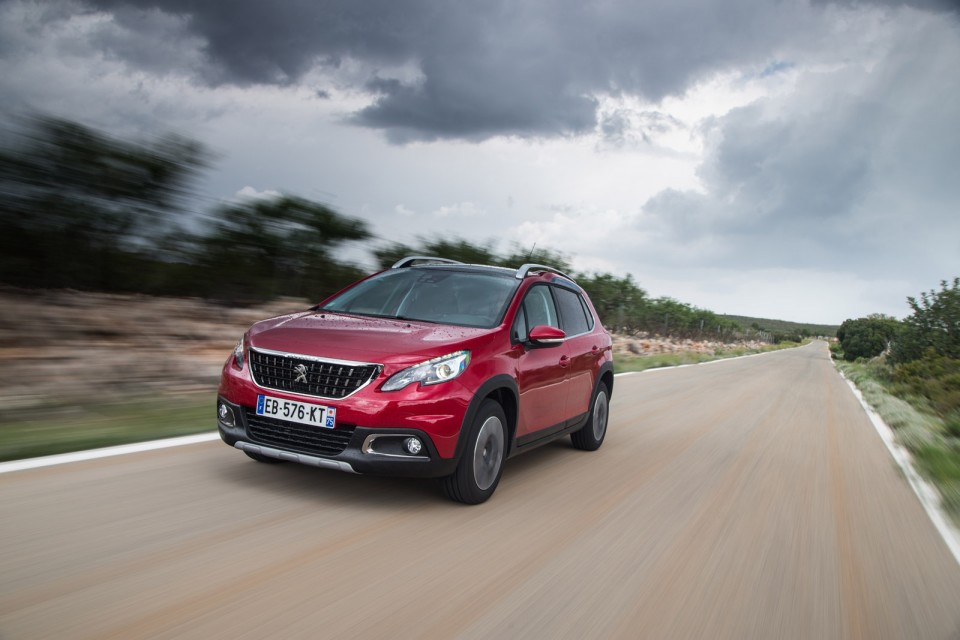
(261, 458)
(481, 464)
(590, 436)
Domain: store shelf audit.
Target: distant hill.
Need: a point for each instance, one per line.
(783, 326)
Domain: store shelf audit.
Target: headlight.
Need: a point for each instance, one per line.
(433, 371)
(238, 353)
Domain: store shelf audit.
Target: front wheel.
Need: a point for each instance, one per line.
(481, 463)
(590, 436)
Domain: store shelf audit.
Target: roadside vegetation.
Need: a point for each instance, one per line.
(909, 372)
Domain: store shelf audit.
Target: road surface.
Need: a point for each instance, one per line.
(745, 499)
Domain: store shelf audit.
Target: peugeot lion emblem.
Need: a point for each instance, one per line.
(301, 371)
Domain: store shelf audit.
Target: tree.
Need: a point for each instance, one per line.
(934, 324)
(867, 337)
(470, 253)
(282, 246)
(520, 256)
(81, 209)
(618, 300)
(452, 249)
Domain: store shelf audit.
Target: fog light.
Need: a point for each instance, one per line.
(226, 415)
(412, 446)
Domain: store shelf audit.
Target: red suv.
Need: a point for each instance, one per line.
(431, 368)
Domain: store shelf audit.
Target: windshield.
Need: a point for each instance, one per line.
(465, 298)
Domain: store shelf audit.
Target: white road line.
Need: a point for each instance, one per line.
(106, 452)
(929, 497)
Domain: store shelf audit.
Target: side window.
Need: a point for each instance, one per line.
(574, 317)
(537, 309)
(587, 312)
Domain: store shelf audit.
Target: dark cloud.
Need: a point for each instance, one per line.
(498, 67)
(277, 42)
(452, 106)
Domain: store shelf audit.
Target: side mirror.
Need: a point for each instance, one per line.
(546, 336)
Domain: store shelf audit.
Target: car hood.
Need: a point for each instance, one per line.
(360, 338)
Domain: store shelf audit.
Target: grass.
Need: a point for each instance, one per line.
(942, 465)
(930, 440)
(75, 428)
(625, 363)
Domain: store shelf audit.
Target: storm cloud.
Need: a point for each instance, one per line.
(480, 69)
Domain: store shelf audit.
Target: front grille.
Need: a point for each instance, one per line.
(298, 437)
(320, 378)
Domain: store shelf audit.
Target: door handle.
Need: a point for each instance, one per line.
(564, 361)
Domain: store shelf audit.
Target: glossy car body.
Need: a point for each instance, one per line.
(428, 369)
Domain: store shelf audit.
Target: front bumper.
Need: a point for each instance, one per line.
(367, 450)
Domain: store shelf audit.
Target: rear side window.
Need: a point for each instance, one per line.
(573, 315)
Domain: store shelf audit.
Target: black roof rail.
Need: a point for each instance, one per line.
(527, 268)
(409, 260)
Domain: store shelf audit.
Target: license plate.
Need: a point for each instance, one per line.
(293, 411)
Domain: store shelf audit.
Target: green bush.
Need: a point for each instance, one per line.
(934, 324)
(934, 377)
(951, 424)
(866, 337)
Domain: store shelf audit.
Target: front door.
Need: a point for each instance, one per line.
(542, 371)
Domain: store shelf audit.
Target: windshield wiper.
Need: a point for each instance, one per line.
(412, 319)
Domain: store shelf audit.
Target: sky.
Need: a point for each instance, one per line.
(787, 159)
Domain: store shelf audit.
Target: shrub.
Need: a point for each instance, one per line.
(866, 337)
(934, 377)
(951, 424)
(935, 324)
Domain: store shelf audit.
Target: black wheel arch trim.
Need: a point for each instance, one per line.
(606, 376)
(498, 383)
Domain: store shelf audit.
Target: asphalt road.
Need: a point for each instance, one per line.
(744, 499)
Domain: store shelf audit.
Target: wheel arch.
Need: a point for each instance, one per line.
(606, 377)
(502, 389)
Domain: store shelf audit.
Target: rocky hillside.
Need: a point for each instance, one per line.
(653, 345)
(69, 347)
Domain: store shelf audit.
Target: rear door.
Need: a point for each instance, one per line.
(581, 349)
